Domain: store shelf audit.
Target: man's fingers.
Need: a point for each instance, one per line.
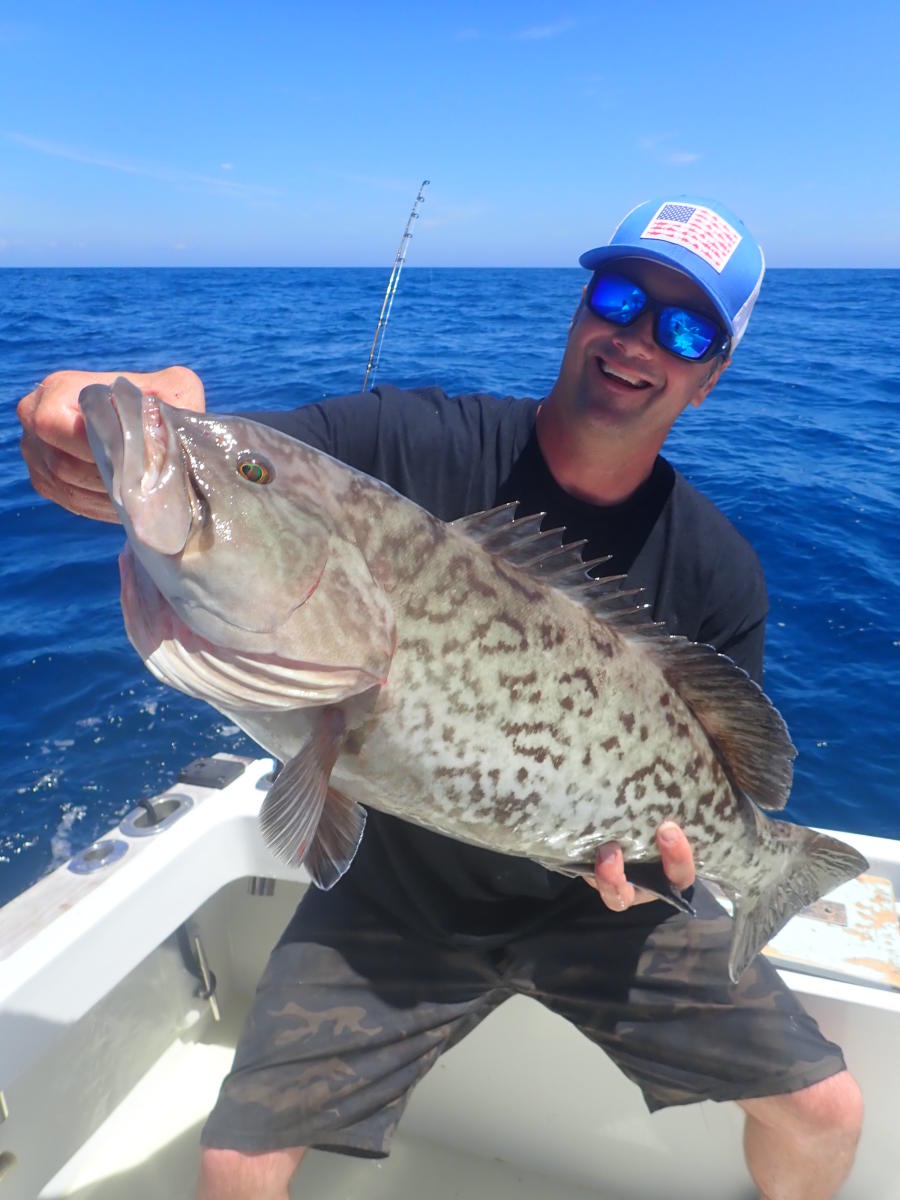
(66, 480)
(84, 502)
(609, 869)
(178, 386)
(676, 854)
(609, 879)
(54, 419)
(47, 462)
(55, 445)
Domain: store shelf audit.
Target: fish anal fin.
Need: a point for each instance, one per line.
(647, 875)
(650, 877)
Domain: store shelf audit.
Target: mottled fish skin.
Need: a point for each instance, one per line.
(510, 706)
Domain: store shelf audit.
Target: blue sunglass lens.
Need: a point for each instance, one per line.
(685, 333)
(617, 299)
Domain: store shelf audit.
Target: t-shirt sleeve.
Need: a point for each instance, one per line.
(746, 648)
(736, 605)
(343, 426)
(707, 579)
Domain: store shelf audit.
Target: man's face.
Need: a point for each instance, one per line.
(616, 379)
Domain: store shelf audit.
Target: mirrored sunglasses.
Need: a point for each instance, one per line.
(681, 331)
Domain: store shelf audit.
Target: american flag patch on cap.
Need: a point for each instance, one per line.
(696, 228)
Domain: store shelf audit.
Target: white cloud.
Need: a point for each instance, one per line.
(539, 33)
(163, 174)
(682, 158)
(658, 146)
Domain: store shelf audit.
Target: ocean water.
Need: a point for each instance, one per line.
(798, 445)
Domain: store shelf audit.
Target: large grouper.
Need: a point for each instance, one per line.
(470, 677)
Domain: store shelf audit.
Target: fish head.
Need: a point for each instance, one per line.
(206, 510)
(237, 584)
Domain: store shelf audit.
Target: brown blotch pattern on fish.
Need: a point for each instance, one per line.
(551, 635)
(518, 580)
(511, 805)
(418, 647)
(499, 627)
(517, 685)
(518, 731)
(582, 674)
(605, 645)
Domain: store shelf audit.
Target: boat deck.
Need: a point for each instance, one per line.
(110, 1058)
(148, 1150)
(517, 1136)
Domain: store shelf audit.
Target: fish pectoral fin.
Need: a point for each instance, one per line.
(337, 839)
(651, 878)
(303, 820)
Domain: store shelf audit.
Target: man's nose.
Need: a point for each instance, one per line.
(637, 338)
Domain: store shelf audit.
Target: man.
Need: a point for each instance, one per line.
(425, 936)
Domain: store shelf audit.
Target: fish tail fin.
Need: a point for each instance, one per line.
(808, 865)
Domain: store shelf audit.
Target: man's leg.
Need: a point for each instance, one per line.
(230, 1175)
(350, 1014)
(651, 988)
(800, 1146)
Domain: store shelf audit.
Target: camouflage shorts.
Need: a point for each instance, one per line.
(352, 1011)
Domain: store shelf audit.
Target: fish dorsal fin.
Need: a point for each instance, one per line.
(739, 718)
(522, 542)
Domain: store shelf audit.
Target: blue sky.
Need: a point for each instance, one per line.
(297, 134)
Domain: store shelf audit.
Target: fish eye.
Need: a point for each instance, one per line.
(255, 469)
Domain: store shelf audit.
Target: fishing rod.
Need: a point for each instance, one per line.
(378, 339)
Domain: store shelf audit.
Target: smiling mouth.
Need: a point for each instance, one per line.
(634, 382)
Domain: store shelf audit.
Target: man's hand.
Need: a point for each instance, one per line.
(54, 440)
(609, 870)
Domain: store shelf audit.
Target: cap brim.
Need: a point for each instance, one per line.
(592, 259)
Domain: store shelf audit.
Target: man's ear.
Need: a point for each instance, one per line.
(713, 375)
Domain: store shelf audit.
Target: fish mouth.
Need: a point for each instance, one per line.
(141, 461)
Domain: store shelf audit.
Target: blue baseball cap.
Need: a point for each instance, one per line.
(703, 240)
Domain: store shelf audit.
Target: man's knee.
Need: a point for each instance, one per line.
(233, 1175)
(832, 1107)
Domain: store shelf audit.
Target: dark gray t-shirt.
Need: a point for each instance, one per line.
(462, 454)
